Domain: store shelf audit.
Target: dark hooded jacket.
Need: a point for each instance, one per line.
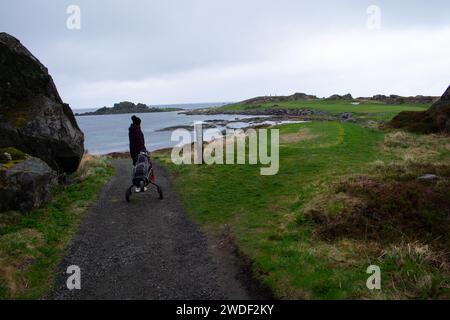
(137, 140)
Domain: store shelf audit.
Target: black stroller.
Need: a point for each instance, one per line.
(143, 176)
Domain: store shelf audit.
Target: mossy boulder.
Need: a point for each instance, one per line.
(339, 97)
(33, 118)
(10, 157)
(434, 120)
(25, 182)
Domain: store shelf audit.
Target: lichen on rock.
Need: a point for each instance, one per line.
(26, 184)
(15, 157)
(33, 117)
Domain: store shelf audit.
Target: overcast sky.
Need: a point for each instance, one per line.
(186, 51)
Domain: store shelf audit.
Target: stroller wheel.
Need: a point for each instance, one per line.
(160, 192)
(128, 194)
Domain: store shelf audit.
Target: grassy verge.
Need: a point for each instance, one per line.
(31, 244)
(271, 222)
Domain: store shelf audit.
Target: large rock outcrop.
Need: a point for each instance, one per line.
(347, 96)
(273, 99)
(25, 184)
(434, 120)
(33, 118)
(398, 100)
(442, 103)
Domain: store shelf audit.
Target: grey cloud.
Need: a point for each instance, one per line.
(143, 41)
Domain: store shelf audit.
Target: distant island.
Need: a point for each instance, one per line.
(127, 107)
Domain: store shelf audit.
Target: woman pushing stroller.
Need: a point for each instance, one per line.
(137, 139)
(143, 173)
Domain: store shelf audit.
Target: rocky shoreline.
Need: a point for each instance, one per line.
(279, 112)
(283, 114)
(246, 123)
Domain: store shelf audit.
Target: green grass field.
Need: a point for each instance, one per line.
(265, 215)
(374, 110)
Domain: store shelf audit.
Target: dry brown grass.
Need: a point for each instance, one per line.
(89, 165)
(384, 211)
(17, 251)
(420, 282)
(413, 147)
(418, 252)
(302, 135)
(415, 155)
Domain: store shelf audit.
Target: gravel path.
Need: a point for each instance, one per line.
(147, 249)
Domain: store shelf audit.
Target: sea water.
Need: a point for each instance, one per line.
(109, 133)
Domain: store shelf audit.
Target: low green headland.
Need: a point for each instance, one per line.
(363, 109)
